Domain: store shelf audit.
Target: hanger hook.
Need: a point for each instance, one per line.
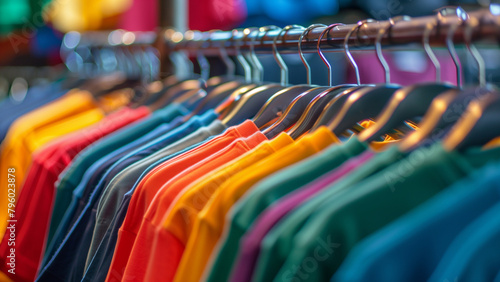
(472, 23)
(301, 54)
(463, 17)
(320, 53)
(378, 44)
(429, 27)
(277, 56)
(255, 65)
(181, 56)
(239, 56)
(202, 60)
(346, 47)
(264, 29)
(258, 69)
(230, 68)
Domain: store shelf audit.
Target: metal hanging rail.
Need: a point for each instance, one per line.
(485, 24)
(401, 33)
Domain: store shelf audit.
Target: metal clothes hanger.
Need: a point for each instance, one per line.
(194, 88)
(276, 105)
(210, 82)
(171, 93)
(239, 57)
(408, 102)
(184, 78)
(314, 110)
(190, 85)
(183, 72)
(368, 102)
(298, 106)
(249, 103)
(215, 92)
(143, 66)
(333, 107)
(225, 90)
(102, 81)
(479, 124)
(250, 63)
(257, 68)
(106, 67)
(202, 60)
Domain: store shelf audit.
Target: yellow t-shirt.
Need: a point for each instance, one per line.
(209, 223)
(72, 112)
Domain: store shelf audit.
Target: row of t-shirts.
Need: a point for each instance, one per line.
(40, 136)
(112, 193)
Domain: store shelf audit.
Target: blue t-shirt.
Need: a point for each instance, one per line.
(474, 255)
(497, 278)
(410, 248)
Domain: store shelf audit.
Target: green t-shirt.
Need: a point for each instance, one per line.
(274, 252)
(270, 190)
(338, 224)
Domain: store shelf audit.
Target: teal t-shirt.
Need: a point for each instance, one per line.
(497, 278)
(475, 254)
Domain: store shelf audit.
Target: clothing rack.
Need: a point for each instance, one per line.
(485, 23)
